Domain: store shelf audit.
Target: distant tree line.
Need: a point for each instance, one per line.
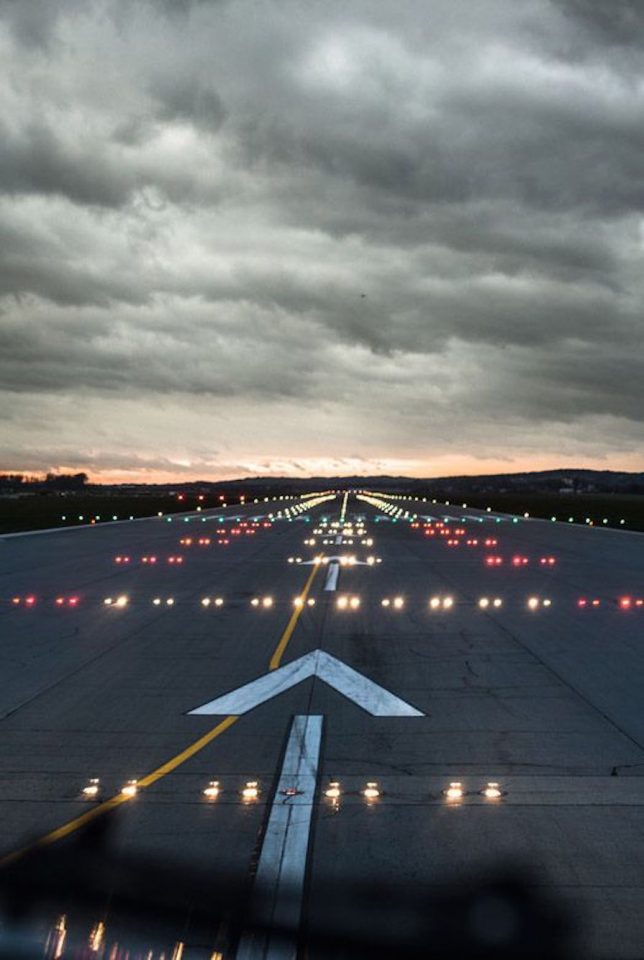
(22, 483)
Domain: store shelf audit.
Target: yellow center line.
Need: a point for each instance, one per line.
(290, 626)
(113, 802)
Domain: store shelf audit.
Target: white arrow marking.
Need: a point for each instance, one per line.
(353, 685)
(282, 862)
(332, 574)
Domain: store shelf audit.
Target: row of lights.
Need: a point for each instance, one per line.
(518, 561)
(587, 520)
(343, 602)
(148, 559)
(456, 792)
(345, 560)
(250, 793)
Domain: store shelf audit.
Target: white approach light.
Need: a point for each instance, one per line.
(342, 603)
(448, 603)
(371, 792)
(121, 601)
(156, 601)
(130, 789)
(267, 602)
(212, 791)
(354, 603)
(492, 791)
(454, 791)
(205, 602)
(91, 788)
(399, 603)
(385, 602)
(250, 793)
(484, 603)
(533, 603)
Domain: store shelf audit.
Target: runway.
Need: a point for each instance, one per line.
(431, 706)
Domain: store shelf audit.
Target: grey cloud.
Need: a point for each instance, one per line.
(36, 161)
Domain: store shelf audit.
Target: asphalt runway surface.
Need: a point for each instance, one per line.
(408, 683)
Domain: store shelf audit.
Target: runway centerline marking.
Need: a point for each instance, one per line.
(77, 823)
(282, 861)
(332, 575)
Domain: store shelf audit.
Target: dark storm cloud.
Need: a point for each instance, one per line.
(189, 99)
(619, 22)
(230, 204)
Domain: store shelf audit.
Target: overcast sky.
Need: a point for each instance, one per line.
(321, 236)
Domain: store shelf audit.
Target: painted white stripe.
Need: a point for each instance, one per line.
(338, 539)
(332, 574)
(282, 861)
(355, 686)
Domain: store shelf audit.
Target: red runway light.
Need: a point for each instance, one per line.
(625, 603)
(30, 601)
(582, 602)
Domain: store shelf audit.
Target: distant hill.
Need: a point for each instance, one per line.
(564, 481)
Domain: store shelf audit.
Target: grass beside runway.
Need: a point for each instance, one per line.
(43, 511)
(613, 508)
